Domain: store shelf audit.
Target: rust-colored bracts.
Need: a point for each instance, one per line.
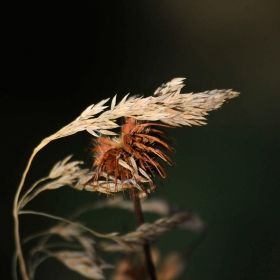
(132, 159)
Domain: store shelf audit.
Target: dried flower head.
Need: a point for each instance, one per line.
(131, 158)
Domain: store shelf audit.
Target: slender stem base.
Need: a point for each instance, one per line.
(146, 247)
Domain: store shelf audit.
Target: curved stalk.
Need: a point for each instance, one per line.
(146, 247)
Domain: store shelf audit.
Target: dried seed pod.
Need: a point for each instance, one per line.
(131, 159)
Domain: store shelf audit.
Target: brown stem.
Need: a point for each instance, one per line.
(146, 247)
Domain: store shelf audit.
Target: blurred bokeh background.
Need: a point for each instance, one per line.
(59, 57)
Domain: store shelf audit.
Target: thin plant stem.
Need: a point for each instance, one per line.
(19, 253)
(108, 236)
(146, 247)
(23, 200)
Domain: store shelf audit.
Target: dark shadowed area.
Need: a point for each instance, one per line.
(59, 57)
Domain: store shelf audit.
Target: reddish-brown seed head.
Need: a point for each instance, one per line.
(133, 156)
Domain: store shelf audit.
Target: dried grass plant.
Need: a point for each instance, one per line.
(128, 162)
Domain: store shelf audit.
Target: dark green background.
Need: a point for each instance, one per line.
(57, 58)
